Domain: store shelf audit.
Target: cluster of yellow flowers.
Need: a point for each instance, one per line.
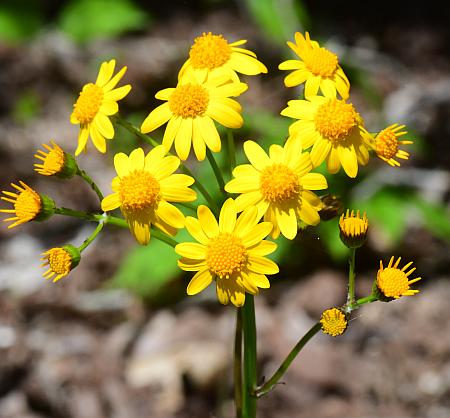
(270, 195)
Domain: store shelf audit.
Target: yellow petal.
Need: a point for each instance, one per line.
(225, 115)
(308, 214)
(121, 164)
(297, 77)
(256, 155)
(313, 181)
(171, 131)
(199, 282)
(164, 94)
(328, 88)
(263, 248)
(348, 159)
(243, 184)
(291, 65)
(111, 202)
(333, 162)
(256, 234)
(97, 138)
(183, 139)
(178, 193)
(246, 64)
(187, 264)
(262, 265)
(195, 229)
(320, 151)
(118, 94)
(312, 86)
(259, 280)
(245, 170)
(113, 82)
(140, 231)
(104, 125)
(247, 200)
(82, 139)
(198, 142)
(105, 73)
(156, 118)
(170, 214)
(287, 222)
(109, 107)
(208, 221)
(136, 160)
(210, 134)
(191, 250)
(227, 217)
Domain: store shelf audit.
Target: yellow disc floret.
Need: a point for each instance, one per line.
(59, 262)
(139, 191)
(209, 51)
(189, 100)
(334, 119)
(393, 282)
(226, 255)
(334, 322)
(386, 144)
(320, 61)
(279, 183)
(88, 103)
(353, 229)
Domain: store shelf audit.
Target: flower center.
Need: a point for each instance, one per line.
(139, 190)
(333, 322)
(88, 103)
(320, 61)
(53, 162)
(189, 101)
(392, 282)
(226, 255)
(28, 204)
(59, 260)
(386, 144)
(209, 51)
(353, 225)
(334, 119)
(279, 183)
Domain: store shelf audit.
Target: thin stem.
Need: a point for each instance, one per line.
(238, 389)
(164, 238)
(91, 237)
(198, 185)
(250, 373)
(269, 385)
(364, 301)
(351, 277)
(231, 150)
(91, 183)
(136, 131)
(77, 214)
(217, 171)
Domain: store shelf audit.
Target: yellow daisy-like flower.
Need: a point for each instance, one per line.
(317, 66)
(191, 108)
(230, 251)
(55, 162)
(60, 261)
(27, 204)
(353, 229)
(393, 282)
(279, 185)
(335, 131)
(143, 189)
(386, 144)
(334, 322)
(95, 103)
(212, 55)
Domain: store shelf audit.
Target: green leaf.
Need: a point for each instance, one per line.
(84, 20)
(329, 236)
(19, 20)
(435, 217)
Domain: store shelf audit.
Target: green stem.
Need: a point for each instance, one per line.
(231, 151)
(189, 206)
(269, 385)
(217, 171)
(77, 214)
(363, 301)
(238, 389)
(250, 373)
(91, 183)
(164, 238)
(351, 277)
(198, 185)
(91, 237)
(136, 131)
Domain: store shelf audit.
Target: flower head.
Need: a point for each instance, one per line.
(392, 282)
(95, 103)
(334, 130)
(55, 162)
(230, 251)
(190, 109)
(318, 67)
(143, 189)
(28, 205)
(279, 185)
(212, 55)
(60, 261)
(353, 229)
(386, 144)
(334, 322)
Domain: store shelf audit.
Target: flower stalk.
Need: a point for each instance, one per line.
(88, 180)
(250, 373)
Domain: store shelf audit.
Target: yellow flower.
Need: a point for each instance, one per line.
(61, 261)
(334, 322)
(279, 186)
(317, 66)
(55, 162)
(231, 252)
(386, 144)
(213, 55)
(353, 229)
(190, 109)
(95, 103)
(334, 130)
(393, 282)
(27, 203)
(143, 189)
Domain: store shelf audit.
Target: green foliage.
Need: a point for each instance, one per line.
(435, 217)
(329, 236)
(84, 20)
(19, 20)
(26, 107)
(279, 19)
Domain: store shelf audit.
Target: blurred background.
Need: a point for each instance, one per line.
(118, 337)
